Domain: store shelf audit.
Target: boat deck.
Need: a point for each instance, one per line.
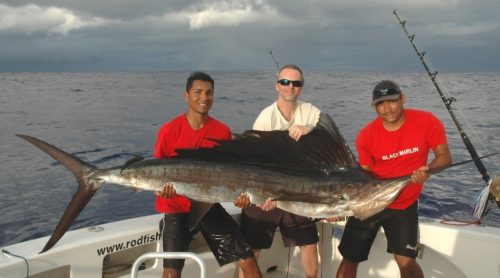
(109, 250)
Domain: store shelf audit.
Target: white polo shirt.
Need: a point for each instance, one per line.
(271, 118)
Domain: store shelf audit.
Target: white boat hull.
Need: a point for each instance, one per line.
(110, 249)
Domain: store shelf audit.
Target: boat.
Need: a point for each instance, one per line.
(133, 247)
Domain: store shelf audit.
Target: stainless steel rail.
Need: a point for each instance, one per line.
(168, 255)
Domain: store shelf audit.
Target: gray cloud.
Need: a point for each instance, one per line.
(184, 35)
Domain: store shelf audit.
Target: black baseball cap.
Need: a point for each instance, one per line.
(385, 90)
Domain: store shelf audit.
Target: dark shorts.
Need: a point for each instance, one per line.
(176, 237)
(400, 227)
(223, 236)
(220, 231)
(259, 227)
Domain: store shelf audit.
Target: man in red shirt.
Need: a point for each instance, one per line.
(194, 129)
(395, 144)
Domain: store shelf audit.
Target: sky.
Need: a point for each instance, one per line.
(337, 35)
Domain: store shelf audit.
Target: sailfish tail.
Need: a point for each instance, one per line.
(86, 186)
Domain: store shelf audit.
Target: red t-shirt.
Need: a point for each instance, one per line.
(178, 134)
(391, 154)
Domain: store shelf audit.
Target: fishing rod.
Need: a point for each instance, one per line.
(276, 62)
(493, 183)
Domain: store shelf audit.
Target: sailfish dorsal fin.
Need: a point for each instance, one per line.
(321, 152)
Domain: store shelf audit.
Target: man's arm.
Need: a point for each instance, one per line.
(442, 158)
(297, 131)
(312, 114)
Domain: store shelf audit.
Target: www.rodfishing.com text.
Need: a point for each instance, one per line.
(145, 239)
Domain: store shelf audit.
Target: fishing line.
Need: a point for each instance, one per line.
(21, 257)
(322, 249)
(288, 264)
(470, 129)
(475, 136)
(460, 222)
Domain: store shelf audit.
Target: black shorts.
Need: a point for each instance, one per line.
(223, 236)
(176, 237)
(400, 227)
(219, 229)
(259, 227)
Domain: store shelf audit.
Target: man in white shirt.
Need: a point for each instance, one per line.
(259, 223)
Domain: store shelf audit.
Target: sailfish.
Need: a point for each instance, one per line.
(317, 176)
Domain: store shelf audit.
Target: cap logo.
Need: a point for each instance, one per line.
(386, 92)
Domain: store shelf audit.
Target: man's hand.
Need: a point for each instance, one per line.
(268, 205)
(335, 219)
(420, 175)
(297, 131)
(168, 191)
(243, 201)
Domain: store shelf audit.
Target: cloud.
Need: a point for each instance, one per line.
(199, 16)
(455, 29)
(31, 19)
(224, 34)
(231, 14)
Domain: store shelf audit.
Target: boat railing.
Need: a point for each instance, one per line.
(168, 255)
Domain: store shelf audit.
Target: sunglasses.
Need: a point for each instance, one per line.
(386, 92)
(286, 82)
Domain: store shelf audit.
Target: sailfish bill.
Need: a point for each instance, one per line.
(316, 177)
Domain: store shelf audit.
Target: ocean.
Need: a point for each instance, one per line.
(108, 118)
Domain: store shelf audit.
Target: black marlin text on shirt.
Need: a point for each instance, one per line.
(400, 153)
